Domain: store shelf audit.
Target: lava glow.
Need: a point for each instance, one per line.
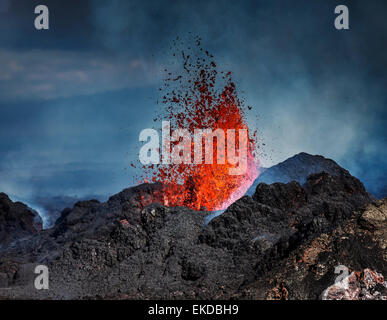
(198, 97)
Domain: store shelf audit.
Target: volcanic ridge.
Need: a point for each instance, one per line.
(285, 241)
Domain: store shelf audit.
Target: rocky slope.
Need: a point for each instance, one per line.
(16, 220)
(354, 250)
(283, 243)
(52, 206)
(297, 168)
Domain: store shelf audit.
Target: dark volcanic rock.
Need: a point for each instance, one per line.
(375, 218)
(284, 242)
(16, 220)
(314, 267)
(297, 168)
(281, 217)
(52, 206)
(282, 196)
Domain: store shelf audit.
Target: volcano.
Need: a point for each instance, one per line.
(284, 242)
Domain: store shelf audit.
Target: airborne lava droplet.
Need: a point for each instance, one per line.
(198, 97)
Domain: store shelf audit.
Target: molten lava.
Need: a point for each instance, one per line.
(198, 97)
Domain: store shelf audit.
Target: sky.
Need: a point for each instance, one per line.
(74, 98)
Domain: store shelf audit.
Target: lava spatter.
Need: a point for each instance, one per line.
(197, 96)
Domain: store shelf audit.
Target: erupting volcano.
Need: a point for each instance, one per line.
(197, 96)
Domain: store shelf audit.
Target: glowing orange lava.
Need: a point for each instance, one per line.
(195, 99)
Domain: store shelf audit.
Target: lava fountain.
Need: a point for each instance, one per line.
(198, 96)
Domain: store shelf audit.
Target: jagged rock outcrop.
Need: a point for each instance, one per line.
(284, 242)
(52, 206)
(16, 220)
(314, 267)
(375, 217)
(297, 168)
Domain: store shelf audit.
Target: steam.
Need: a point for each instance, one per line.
(40, 211)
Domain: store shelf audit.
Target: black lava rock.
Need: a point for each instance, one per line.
(283, 243)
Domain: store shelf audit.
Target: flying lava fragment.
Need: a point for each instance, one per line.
(198, 96)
